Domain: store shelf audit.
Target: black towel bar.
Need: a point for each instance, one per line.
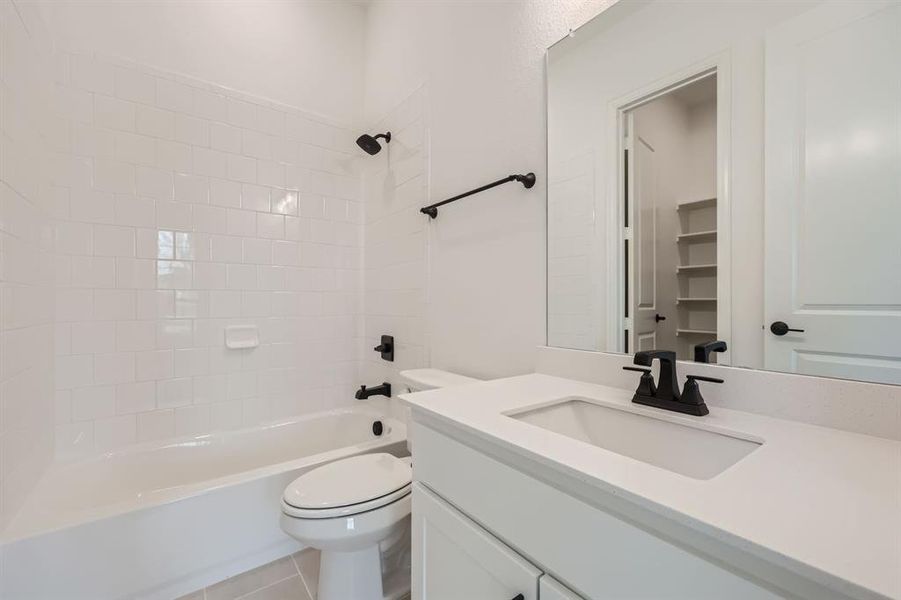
(527, 180)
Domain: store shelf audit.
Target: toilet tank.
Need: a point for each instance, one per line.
(420, 380)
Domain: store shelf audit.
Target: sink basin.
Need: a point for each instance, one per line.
(689, 451)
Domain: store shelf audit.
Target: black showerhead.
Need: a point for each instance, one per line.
(370, 144)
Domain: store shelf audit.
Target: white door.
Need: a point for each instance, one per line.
(551, 589)
(453, 558)
(833, 191)
(643, 260)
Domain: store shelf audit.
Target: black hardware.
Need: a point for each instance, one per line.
(668, 388)
(646, 385)
(527, 180)
(377, 428)
(386, 348)
(379, 390)
(370, 144)
(518, 597)
(691, 394)
(666, 395)
(781, 328)
(702, 351)
(659, 318)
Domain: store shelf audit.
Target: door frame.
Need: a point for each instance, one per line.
(618, 118)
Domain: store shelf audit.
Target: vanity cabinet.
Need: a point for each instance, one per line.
(475, 519)
(455, 558)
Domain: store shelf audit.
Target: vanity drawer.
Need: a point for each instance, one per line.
(595, 553)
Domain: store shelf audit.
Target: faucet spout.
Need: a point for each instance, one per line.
(667, 383)
(379, 390)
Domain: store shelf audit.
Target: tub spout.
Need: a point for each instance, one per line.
(379, 390)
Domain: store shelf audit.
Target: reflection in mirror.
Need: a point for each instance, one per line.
(729, 172)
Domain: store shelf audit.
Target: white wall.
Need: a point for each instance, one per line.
(26, 262)
(306, 54)
(484, 67)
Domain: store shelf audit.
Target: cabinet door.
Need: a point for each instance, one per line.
(454, 558)
(551, 589)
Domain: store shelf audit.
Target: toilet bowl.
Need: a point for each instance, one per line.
(356, 511)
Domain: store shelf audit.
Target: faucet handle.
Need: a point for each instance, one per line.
(691, 393)
(646, 386)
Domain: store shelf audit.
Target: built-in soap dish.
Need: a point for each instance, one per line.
(240, 337)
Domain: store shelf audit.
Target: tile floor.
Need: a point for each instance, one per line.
(294, 577)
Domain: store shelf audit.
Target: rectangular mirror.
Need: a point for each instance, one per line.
(729, 172)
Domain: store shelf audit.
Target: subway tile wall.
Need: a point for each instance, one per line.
(182, 208)
(395, 184)
(26, 260)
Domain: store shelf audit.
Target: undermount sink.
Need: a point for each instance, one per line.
(689, 451)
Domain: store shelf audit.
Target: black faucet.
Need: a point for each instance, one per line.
(379, 390)
(702, 351)
(666, 395)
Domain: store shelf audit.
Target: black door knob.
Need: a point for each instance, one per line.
(659, 318)
(781, 328)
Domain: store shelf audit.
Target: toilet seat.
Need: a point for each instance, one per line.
(347, 487)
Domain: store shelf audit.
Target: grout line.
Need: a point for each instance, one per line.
(268, 585)
(303, 579)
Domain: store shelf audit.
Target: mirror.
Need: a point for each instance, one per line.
(729, 171)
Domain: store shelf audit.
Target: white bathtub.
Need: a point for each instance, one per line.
(159, 520)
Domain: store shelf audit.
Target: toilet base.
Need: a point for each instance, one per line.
(356, 575)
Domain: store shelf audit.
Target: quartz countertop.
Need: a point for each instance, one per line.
(820, 502)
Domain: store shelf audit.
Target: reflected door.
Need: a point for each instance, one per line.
(833, 192)
(643, 267)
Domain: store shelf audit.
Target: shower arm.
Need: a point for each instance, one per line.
(527, 180)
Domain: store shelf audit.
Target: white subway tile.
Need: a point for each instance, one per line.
(92, 141)
(135, 273)
(225, 304)
(174, 96)
(91, 206)
(192, 304)
(89, 74)
(271, 278)
(116, 367)
(241, 222)
(255, 144)
(113, 176)
(112, 113)
(210, 276)
(241, 277)
(174, 215)
(74, 305)
(134, 211)
(114, 305)
(174, 333)
(211, 388)
(133, 336)
(257, 251)
(192, 420)
(226, 138)
(242, 114)
(174, 274)
(135, 397)
(155, 425)
(153, 365)
(192, 189)
(242, 168)
(74, 440)
(192, 130)
(172, 393)
(93, 337)
(286, 253)
(270, 226)
(210, 219)
(210, 106)
(270, 120)
(155, 304)
(284, 202)
(135, 148)
(155, 122)
(113, 240)
(114, 432)
(190, 362)
(211, 163)
(271, 173)
(135, 86)
(93, 272)
(173, 156)
(255, 197)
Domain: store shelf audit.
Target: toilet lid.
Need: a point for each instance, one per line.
(349, 481)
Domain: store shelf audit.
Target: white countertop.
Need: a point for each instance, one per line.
(826, 499)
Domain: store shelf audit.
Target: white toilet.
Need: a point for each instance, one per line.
(356, 510)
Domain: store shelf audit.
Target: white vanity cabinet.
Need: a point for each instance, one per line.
(455, 558)
(475, 519)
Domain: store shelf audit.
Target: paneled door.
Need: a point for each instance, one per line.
(643, 182)
(833, 192)
(453, 558)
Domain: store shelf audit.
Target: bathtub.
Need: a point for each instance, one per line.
(156, 521)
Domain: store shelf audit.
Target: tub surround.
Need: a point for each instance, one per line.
(812, 506)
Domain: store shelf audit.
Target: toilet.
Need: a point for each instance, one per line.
(356, 511)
